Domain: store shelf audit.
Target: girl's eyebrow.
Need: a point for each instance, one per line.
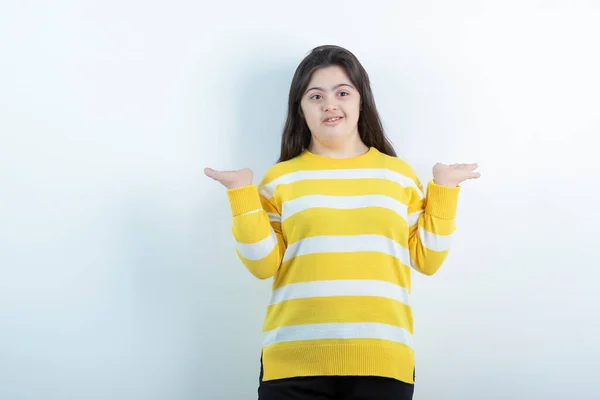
(333, 88)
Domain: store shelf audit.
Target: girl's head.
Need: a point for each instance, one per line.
(331, 82)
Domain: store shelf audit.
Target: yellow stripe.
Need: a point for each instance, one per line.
(437, 225)
(339, 309)
(264, 268)
(344, 357)
(345, 187)
(417, 205)
(372, 220)
(428, 261)
(327, 266)
(260, 223)
(267, 205)
(383, 161)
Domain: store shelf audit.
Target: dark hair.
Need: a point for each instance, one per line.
(296, 134)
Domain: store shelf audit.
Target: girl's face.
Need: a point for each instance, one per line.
(331, 106)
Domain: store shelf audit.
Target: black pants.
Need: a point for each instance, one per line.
(334, 388)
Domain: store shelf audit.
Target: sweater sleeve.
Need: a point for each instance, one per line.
(431, 225)
(257, 231)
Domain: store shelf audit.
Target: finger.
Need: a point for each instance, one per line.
(214, 174)
(469, 167)
(475, 175)
(210, 172)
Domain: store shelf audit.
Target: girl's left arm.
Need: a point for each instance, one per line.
(432, 218)
(431, 225)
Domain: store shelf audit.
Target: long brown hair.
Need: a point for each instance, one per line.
(296, 135)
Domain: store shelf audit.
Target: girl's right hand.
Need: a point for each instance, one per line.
(231, 179)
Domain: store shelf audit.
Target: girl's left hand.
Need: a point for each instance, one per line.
(454, 174)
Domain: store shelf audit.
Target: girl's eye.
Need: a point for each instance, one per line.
(315, 95)
(344, 93)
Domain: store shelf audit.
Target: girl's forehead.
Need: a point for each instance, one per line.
(327, 82)
(330, 73)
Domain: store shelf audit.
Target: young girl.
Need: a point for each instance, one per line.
(338, 222)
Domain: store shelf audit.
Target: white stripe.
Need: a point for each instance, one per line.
(360, 173)
(413, 265)
(350, 243)
(302, 203)
(330, 288)
(434, 242)
(252, 212)
(274, 217)
(354, 330)
(258, 250)
(413, 218)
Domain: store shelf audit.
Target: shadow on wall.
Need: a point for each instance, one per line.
(198, 312)
(234, 348)
(261, 114)
(158, 278)
(187, 292)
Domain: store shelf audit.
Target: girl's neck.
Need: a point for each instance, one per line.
(332, 149)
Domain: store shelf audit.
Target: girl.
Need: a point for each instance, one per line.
(338, 222)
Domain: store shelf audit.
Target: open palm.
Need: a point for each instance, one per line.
(454, 174)
(231, 179)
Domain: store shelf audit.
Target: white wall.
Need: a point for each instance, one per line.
(118, 276)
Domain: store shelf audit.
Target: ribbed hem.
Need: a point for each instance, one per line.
(243, 199)
(442, 201)
(392, 360)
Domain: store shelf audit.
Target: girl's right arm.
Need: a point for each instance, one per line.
(257, 231)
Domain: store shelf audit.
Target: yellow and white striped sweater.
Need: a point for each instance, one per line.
(339, 237)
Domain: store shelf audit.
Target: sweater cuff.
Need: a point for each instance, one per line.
(442, 201)
(243, 199)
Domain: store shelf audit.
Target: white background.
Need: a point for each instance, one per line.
(118, 275)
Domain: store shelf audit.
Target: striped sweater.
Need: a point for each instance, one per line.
(339, 237)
